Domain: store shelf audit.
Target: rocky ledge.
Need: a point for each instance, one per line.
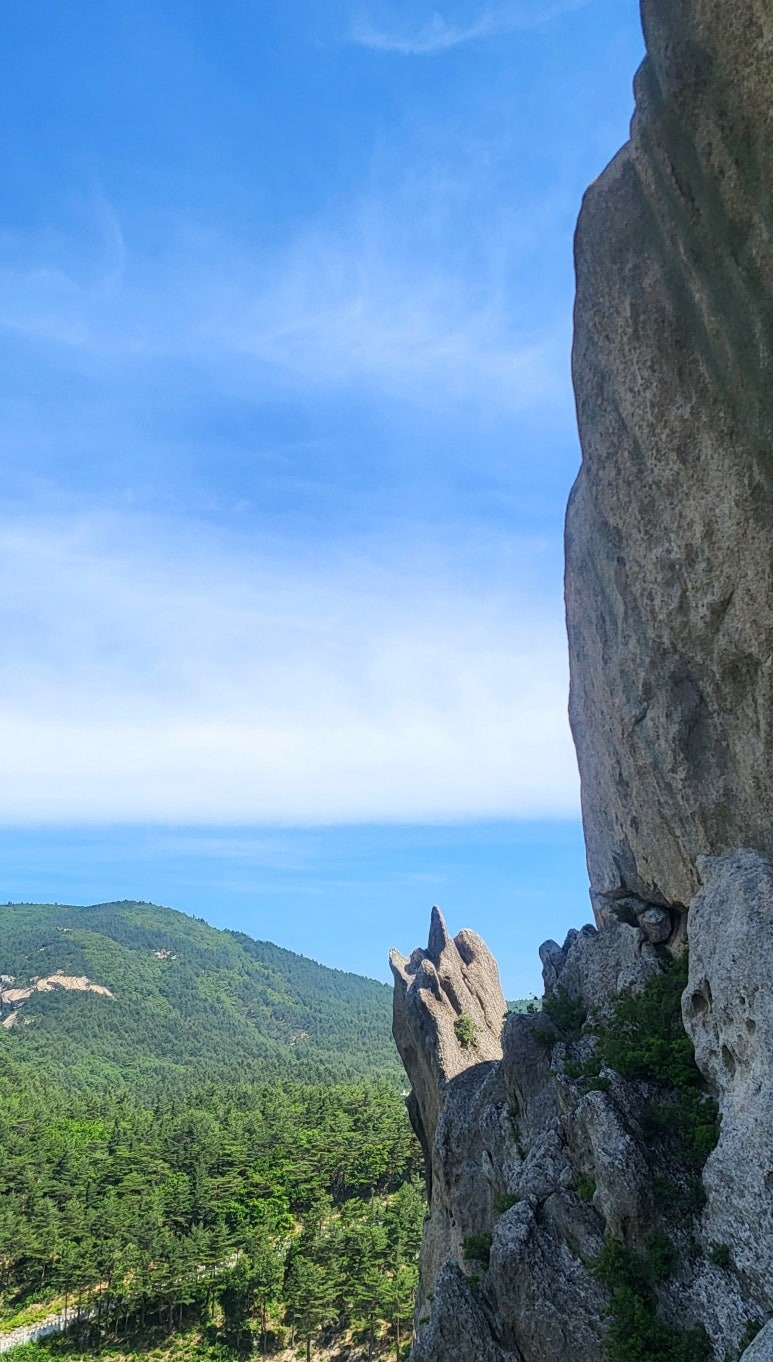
(598, 1170)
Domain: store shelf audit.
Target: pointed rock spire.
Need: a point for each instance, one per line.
(447, 1015)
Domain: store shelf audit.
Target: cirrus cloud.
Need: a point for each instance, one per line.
(404, 36)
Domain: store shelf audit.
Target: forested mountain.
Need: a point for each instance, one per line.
(185, 998)
(166, 1162)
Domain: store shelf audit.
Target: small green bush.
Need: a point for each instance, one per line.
(635, 1332)
(566, 1013)
(464, 1030)
(625, 913)
(679, 1200)
(504, 1202)
(749, 1334)
(599, 1085)
(618, 1266)
(637, 1335)
(719, 1255)
(645, 1037)
(477, 1248)
(661, 1255)
(586, 1187)
(545, 1037)
(581, 1068)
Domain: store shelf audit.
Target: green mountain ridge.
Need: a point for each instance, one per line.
(189, 1000)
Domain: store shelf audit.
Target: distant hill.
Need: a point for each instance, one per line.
(187, 999)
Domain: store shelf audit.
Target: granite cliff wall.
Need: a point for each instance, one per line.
(600, 1190)
(669, 571)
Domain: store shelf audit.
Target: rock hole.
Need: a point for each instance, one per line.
(699, 1004)
(769, 1181)
(728, 1059)
(751, 1026)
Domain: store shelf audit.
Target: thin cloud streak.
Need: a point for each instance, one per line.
(153, 684)
(358, 299)
(439, 35)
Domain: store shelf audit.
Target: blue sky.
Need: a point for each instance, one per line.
(287, 429)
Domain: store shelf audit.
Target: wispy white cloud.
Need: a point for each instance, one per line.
(346, 309)
(403, 35)
(145, 680)
(370, 296)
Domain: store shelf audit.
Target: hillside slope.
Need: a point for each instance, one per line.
(186, 998)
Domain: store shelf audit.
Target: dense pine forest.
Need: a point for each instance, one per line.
(158, 1184)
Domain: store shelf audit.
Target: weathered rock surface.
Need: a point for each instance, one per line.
(593, 966)
(530, 1162)
(448, 1014)
(728, 1013)
(669, 571)
(459, 1329)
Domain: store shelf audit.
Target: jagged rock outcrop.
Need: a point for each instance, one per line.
(459, 1328)
(447, 1014)
(541, 1161)
(593, 967)
(534, 1168)
(669, 571)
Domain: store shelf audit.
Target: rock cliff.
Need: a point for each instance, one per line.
(604, 1189)
(669, 572)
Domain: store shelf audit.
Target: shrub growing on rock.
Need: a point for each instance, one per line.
(477, 1248)
(464, 1030)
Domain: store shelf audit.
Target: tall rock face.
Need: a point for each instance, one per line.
(593, 1193)
(669, 570)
